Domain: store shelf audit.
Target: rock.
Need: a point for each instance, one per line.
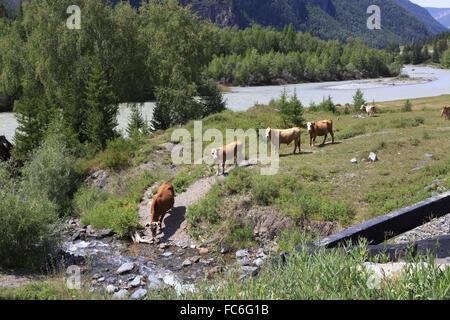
(196, 259)
(163, 246)
(250, 270)
(77, 234)
(187, 263)
(139, 294)
(136, 282)
(96, 276)
(206, 262)
(110, 289)
(242, 253)
(223, 251)
(416, 169)
(111, 280)
(167, 254)
(192, 246)
(82, 245)
(373, 157)
(354, 160)
(243, 261)
(429, 156)
(203, 251)
(126, 267)
(102, 279)
(258, 262)
(122, 294)
(106, 233)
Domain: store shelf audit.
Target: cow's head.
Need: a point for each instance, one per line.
(268, 132)
(154, 228)
(363, 107)
(310, 126)
(215, 153)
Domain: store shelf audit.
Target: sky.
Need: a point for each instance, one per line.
(433, 3)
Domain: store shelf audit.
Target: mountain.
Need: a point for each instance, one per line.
(441, 14)
(423, 15)
(328, 19)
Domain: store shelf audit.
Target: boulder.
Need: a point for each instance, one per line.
(126, 267)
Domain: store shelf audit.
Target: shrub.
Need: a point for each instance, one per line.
(264, 192)
(118, 215)
(117, 153)
(358, 100)
(51, 174)
(239, 181)
(27, 228)
(407, 107)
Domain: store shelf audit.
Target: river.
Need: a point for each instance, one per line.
(436, 82)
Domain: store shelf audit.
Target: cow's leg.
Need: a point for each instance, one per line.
(217, 171)
(332, 136)
(325, 139)
(223, 168)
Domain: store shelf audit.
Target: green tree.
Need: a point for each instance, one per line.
(358, 100)
(102, 108)
(407, 107)
(445, 59)
(136, 125)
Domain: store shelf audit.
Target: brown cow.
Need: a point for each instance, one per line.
(230, 151)
(162, 203)
(286, 137)
(319, 129)
(446, 112)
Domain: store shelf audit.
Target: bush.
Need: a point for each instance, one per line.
(27, 228)
(407, 107)
(358, 100)
(239, 181)
(51, 174)
(118, 215)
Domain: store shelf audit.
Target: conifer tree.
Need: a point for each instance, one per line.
(102, 108)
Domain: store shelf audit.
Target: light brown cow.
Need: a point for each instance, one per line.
(446, 112)
(228, 152)
(162, 203)
(319, 129)
(285, 137)
(369, 109)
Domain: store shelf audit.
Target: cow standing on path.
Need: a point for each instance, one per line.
(285, 137)
(162, 203)
(228, 152)
(319, 129)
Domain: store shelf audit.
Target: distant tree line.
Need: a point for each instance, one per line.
(257, 56)
(435, 50)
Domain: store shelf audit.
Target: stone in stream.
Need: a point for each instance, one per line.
(139, 294)
(126, 267)
(187, 263)
(136, 282)
(121, 294)
(110, 289)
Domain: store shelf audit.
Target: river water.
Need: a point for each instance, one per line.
(243, 98)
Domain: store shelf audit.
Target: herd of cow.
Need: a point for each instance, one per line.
(165, 197)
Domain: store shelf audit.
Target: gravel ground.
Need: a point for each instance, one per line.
(434, 228)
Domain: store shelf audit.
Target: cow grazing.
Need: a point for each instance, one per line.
(285, 137)
(369, 109)
(162, 203)
(446, 112)
(319, 129)
(228, 152)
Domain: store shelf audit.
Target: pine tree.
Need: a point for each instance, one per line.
(212, 99)
(162, 112)
(102, 108)
(136, 125)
